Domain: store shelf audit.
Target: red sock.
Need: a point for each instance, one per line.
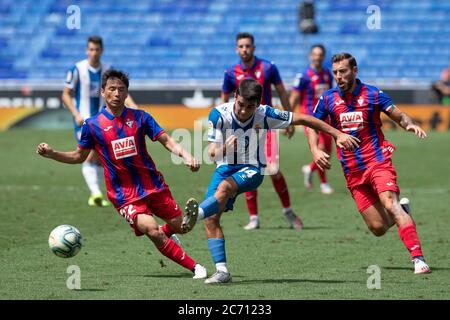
(174, 252)
(322, 175)
(279, 183)
(167, 230)
(313, 166)
(251, 197)
(408, 234)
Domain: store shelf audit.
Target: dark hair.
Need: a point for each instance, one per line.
(342, 56)
(250, 90)
(97, 40)
(320, 46)
(244, 35)
(115, 74)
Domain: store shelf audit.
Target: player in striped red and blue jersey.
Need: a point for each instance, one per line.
(134, 185)
(307, 88)
(83, 81)
(355, 108)
(266, 73)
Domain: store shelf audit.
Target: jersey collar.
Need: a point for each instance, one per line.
(92, 69)
(110, 116)
(253, 66)
(242, 124)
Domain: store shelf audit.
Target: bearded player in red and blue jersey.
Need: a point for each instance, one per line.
(266, 74)
(354, 108)
(307, 88)
(134, 185)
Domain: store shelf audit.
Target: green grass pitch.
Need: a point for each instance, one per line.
(326, 260)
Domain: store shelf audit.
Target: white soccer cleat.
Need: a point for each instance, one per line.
(200, 272)
(219, 277)
(325, 188)
(253, 224)
(307, 177)
(294, 220)
(404, 202)
(420, 266)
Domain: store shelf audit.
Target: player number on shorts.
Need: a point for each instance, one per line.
(127, 212)
(249, 172)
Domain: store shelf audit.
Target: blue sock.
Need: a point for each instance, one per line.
(217, 248)
(209, 206)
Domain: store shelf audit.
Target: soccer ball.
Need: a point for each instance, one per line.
(65, 241)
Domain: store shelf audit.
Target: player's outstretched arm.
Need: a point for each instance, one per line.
(405, 121)
(175, 148)
(343, 140)
(71, 157)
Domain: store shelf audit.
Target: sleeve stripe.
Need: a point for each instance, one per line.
(158, 135)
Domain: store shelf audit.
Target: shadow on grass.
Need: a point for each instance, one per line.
(411, 268)
(89, 290)
(290, 229)
(278, 281)
(178, 275)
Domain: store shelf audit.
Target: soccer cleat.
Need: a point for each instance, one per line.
(294, 220)
(404, 202)
(307, 177)
(325, 188)
(219, 277)
(420, 266)
(190, 215)
(253, 224)
(97, 200)
(200, 272)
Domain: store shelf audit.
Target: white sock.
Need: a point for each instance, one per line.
(201, 214)
(90, 175)
(286, 210)
(222, 266)
(254, 217)
(100, 175)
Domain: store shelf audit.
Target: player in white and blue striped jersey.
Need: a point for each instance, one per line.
(83, 82)
(236, 138)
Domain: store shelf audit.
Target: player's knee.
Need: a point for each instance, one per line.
(224, 190)
(212, 223)
(273, 171)
(155, 234)
(392, 206)
(378, 229)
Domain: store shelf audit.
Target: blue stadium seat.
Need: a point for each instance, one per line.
(189, 39)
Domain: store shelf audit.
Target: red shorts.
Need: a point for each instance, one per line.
(324, 139)
(366, 185)
(161, 204)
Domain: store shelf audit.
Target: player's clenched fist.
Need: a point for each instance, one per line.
(44, 150)
(348, 142)
(231, 143)
(193, 164)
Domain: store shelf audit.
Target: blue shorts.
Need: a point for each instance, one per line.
(247, 177)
